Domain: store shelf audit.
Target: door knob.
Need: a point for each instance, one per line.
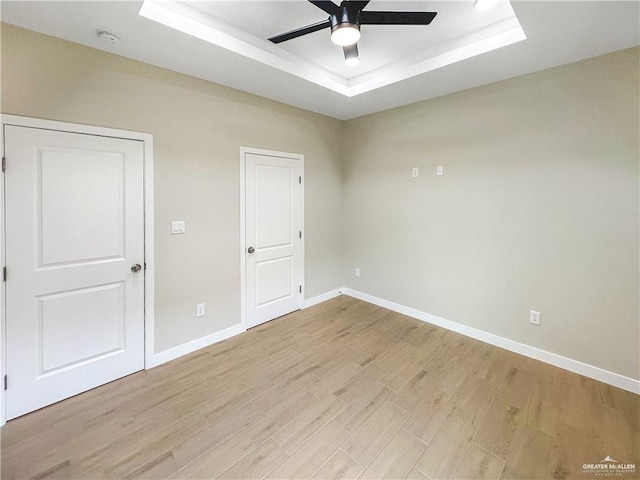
(136, 268)
(251, 250)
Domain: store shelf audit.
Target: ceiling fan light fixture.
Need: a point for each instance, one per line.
(352, 62)
(345, 34)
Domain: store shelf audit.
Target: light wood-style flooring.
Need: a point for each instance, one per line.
(345, 390)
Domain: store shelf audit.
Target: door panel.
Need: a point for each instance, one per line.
(98, 179)
(268, 290)
(69, 336)
(74, 228)
(273, 225)
(273, 206)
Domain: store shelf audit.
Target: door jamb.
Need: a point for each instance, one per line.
(147, 140)
(243, 240)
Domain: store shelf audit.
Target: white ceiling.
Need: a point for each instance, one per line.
(394, 58)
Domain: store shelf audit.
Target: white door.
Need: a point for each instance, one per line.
(273, 234)
(74, 236)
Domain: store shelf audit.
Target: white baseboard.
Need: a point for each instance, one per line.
(575, 366)
(310, 302)
(185, 348)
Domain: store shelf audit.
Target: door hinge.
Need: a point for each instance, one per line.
(4, 164)
(5, 382)
(300, 180)
(4, 274)
(300, 288)
(300, 234)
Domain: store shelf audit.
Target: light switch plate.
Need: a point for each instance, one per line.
(177, 227)
(440, 170)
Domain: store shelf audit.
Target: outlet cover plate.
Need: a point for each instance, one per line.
(534, 317)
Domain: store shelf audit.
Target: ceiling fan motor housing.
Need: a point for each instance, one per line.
(345, 18)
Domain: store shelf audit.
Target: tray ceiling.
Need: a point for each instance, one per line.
(388, 53)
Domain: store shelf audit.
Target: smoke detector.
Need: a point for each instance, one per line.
(107, 37)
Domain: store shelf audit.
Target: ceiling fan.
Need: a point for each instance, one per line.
(345, 20)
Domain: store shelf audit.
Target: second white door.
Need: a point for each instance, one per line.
(273, 234)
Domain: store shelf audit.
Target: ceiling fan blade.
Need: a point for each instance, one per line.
(396, 18)
(356, 5)
(326, 5)
(298, 32)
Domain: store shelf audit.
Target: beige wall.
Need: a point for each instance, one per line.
(198, 129)
(538, 209)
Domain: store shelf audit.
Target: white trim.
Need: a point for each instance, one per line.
(243, 240)
(310, 302)
(575, 366)
(149, 254)
(3, 323)
(147, 140)
(192, 346)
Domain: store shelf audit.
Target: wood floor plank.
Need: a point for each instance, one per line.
(397, 458)
(358, 384)
(429, 415)
(278, 417)
(339, 467)
(571, 450)
(473, 400)
(415, 475)
(360, 410)
(456, 347)
(305, 425)
(498, 428)
(215, 461)
(375, 433)
(282, 391)
(258, 463)
(516, 387)
(140, 451)
(530, 455)
(543, 407)
(413, 393)
(335, 379)
(447, 448)
(305, 461)
(478, 463)
(214, 434)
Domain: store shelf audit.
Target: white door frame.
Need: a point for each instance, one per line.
(147, 139)
(243, 241)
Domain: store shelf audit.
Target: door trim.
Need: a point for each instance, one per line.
(147, 140)
(243, 241)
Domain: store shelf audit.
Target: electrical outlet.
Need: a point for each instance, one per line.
(200, 310)
(414, 172)
(534, 317)
(440, 170)
(357, 273)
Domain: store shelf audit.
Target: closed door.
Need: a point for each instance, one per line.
(273, 233)
(75, 263)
